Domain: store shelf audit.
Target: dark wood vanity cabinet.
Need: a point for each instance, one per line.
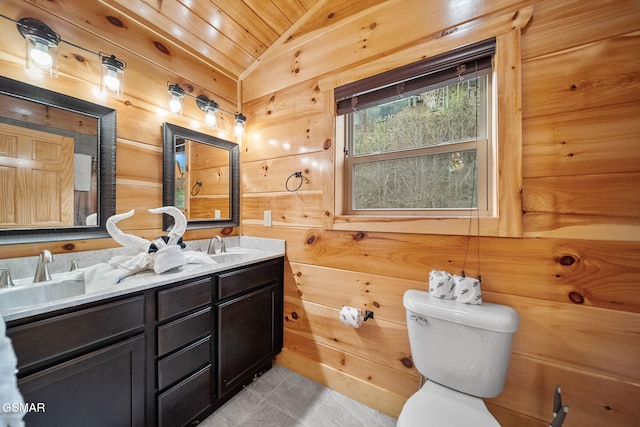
(88, 364)
(185, 379)
(164, 357)
(249, 324)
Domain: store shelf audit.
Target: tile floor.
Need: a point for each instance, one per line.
(282, 398)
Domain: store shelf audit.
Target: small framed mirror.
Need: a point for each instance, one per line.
(201, 178)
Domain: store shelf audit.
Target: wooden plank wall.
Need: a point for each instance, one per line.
(139, 126)
(573, 277)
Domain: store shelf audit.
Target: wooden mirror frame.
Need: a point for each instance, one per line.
(106, 164)
(170, 133)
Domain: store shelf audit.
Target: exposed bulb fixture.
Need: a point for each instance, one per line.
(209, 107)
(112, 74)
(240, 122)
(41, 43)
(176, 95)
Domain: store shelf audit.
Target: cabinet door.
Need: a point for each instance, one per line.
(102, 388)
(246, 336)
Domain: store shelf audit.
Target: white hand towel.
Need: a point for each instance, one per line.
(467, 290)
(168, 258)
(441, 284)
(9, 392)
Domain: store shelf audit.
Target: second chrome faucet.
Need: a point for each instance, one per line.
(212, 245)
(42, 270)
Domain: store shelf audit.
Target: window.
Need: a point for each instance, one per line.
(419, 139)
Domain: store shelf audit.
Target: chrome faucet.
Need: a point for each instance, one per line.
(5, 278)
(42, 270)
(212, 246)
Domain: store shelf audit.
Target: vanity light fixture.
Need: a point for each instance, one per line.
(41, 47)
(112, 74)
(176, 96)
(41, 44)
(240, 122)
(210, 108)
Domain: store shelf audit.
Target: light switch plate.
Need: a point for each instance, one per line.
(267, 218)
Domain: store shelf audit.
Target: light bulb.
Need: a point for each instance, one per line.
(238, 130)
(40, 55)
(175, 105)
(111, 80)
(210, 119)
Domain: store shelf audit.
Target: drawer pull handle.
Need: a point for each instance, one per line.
(419, 320)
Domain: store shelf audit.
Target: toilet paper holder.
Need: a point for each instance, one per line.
(368, 314)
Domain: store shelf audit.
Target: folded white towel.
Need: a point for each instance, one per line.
(440, 284)
(467, 290)
(168, 258)
(9, 392)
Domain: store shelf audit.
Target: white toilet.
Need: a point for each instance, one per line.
(464, 351)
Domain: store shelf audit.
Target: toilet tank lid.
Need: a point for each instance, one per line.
(488, 316)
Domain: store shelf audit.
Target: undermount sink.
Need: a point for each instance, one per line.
(232, 256)
(29, 294)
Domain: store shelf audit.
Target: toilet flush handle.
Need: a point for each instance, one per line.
(418, 319)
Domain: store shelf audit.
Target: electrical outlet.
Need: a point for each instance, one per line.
(267, 218)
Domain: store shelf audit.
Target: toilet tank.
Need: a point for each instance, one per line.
(460, 346)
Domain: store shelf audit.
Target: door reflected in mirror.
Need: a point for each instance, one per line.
(201, 178)
(48, 167)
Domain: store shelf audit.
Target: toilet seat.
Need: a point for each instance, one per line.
(436, 405)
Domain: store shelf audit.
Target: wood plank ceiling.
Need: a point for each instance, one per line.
(230, 35)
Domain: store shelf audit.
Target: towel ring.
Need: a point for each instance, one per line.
(198, 184)
(296, 175)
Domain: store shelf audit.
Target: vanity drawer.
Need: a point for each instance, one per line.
(39, 341)
(236, 282)
(185, 330)
(184, 298)
(184, 362)
(180, 404)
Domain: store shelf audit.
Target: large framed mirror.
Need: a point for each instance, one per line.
(201, 178)
(57, 165)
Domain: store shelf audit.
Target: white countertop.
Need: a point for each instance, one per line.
(256, 250)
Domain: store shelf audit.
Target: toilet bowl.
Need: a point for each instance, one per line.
(439, 406)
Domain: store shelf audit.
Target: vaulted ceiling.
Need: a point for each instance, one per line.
(231, 34)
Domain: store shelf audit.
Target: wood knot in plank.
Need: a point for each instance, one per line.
(69, 247)
(78, 57)
(407, 362)
(311, 240)
(116, 22)
(359, 236)
(327, 144)
(226, 231)
(376, 304)
(448, 32)
(576, 298)
(162, 48)
(294, 315)
(567, 260)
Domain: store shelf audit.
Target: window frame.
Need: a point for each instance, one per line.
(507, 218)
(485, 161)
